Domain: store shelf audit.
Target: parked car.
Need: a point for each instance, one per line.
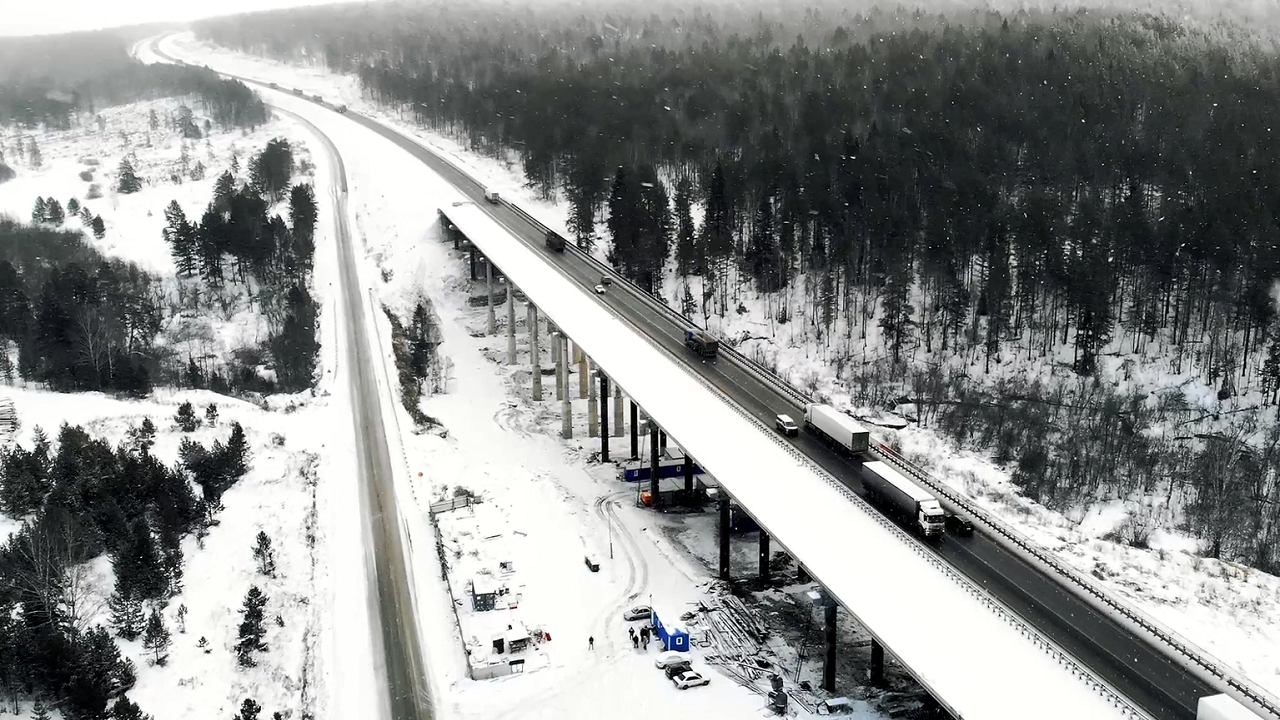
(491, 196)
(599, 289)
(341, 108)
(680, 668)
(592, 565)
(668, 658)
(689, 679)
(786, 425)
(606, 280)
(958, 525)
(639, 612)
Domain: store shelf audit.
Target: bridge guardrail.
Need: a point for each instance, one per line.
(1204, 664)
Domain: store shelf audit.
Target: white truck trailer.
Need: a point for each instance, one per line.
(836, 426)
(1223, 707)
(898, 495)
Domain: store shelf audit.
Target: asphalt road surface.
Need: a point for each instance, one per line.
(398, 664)
(1129, 663)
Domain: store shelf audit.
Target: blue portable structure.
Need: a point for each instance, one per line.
(638, 470)
(672, 634)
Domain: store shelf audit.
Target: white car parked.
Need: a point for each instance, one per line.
(671, 657)
(639, 612)
(684, 681)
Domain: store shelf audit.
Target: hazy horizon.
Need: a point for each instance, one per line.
(68, 16)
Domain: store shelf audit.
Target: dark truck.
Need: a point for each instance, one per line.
(555, 241)
(701, 342)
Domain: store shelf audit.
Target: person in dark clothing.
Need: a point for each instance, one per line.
(591, 643)
(635, 641)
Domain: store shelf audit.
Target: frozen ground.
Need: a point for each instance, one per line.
(1207, 618)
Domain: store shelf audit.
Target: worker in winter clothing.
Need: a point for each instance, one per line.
(591, 643)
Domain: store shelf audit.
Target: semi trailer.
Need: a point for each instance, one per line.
(701, 342)
(555, 241)
(1223, 707)
(836, 427)
(899, 496)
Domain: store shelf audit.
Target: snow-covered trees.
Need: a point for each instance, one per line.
(53, 213)
(271, 170)
(99, 227)
(127, 618)
(35, 158)
(186, 417)
(127, 181)
(39, 211)
(181, 237)
(264, 555)
(157, 638)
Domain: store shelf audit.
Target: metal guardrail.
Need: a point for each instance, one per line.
(1204, 663)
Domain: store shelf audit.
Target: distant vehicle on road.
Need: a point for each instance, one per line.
(785, 425)
(690, 679)
(605, 280)
(599, 289)
(958, 525)
(836, 427)
(298, 92)
(701, 342)
(555, 241)
(668, 658)
(639, 612)
(897, 495)
(274, 86)
(492, 196)
(318, 98)
(592, 565)
(341, 108)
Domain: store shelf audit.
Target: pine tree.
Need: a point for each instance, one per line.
(139, 567)
(248, 710)
(86, 217)
(235, 161)
(99, 227)
(53, 212)
(34, 157)
(197, 171)
(186, 418)
(203, 644)
(143, 437)
(157, 637)
(126, 709)
(265, 555)
(127, 178)
(686, 251)
(180, 236)
(251, 629)
(181, 619)
(224, 189)
(237, 452)
(73, 207)
(41, 710)
(40, 212)
(211, 415)
(127, 618)
(153, 121)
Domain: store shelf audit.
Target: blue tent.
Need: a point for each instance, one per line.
(672, 634)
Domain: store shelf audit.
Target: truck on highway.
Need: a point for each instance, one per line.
(701, 342)
(893, 492)
(555, 241)
(836, 427)
(1223, 707)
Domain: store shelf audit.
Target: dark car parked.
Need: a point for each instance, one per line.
(958, 525)
(677, 669)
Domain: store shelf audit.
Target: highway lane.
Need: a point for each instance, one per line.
(399, 666)
(1128, 662)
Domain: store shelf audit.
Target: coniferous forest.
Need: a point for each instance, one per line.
(926, 197)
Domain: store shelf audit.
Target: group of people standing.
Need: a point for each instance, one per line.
(637, 638)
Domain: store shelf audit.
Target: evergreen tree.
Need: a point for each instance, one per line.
(180, 236)
(686, 252)
(127, 618)
(186, 418)
(302, 218)
(140, 571)
(34, 157)
(6, 173)
(181, 618)
(126, 709)
(99, 227)
(251, 629)
(86, 217)
(271, 170)
(264, 555)
(143, 437)
(153, 121)
(127, 181)
(40, 710)
(197, 171)
(73, 206)
(156, 638)
(53, 212)
(203, 644)
(249, 710)
(40, 212)
(237, 452)
(211, 414)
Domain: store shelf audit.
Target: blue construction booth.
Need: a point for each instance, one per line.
(673, 635)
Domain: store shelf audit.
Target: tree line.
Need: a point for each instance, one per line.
(84, 498)
(935, 190)
(49, 80)
(237, 240)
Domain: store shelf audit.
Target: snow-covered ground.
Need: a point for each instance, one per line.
(1210, 615)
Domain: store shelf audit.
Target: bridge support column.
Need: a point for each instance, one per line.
(584, 375)
(604, 417)
(566, 409)
(618, 426)
(593, 414)
(662, 440)
(635, 429)
(876, 672)
(688, 478)
(488, 276)
(535, 360)
(471, 258)
(829, 664)
(511, 324)
(558, 360)
(764, 555)
(654, 486)
(723, 501)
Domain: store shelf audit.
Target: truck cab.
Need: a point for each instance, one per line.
(491, 196)
(555, 242)
(701, 342)
(931, 519)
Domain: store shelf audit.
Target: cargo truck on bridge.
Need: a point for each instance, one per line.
(701, 342)
(555, 241)
(836, 427)
(899, 496)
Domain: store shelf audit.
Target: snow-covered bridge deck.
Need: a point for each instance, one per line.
(974, 656)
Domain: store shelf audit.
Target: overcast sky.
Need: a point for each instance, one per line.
(46, 17)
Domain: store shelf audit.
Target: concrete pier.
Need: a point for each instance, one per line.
(534, 359)
(511, 324)
(593, 412)
(488, 276)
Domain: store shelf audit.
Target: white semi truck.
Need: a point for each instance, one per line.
(892, 491)
(837, 427)
(1223, 707)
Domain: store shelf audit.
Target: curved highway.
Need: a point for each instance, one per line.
(1131, 664)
